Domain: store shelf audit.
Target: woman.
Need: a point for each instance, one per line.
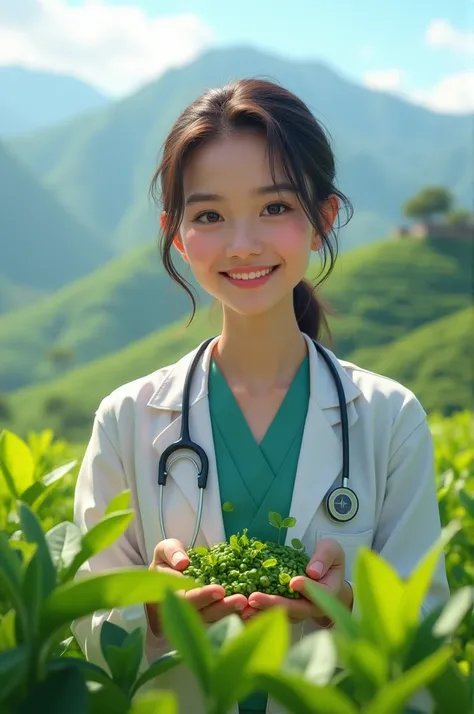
(248, 190)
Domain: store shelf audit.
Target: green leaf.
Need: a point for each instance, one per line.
(90, 672)
(10, 565)
(418, 584)
(119, 588)
(13, 667)
(120, 502)
(258, 546)
(454, 612)
(423, 642)
(260, 647)
(112, 635)
(297, 544)
(107, 699)
(64, 543)
(394, 695)
(7, 631)
(284, 578)
(16, 463)
(32, 591)
(100, 537)
(297, 695)
(451, 691)
(159, 666)
(123, 653)
(47, 485)
(274, 519)
(270, 563)
(234, 543)
(289, 522)
(33, 533)
(379, 592)
(58, 473)
(60, 692)
(228, 507)
(183, 627)
(368, 665)
(332, 608)
(314, 658)
(155, 703)
(224, 630)
(201, 550)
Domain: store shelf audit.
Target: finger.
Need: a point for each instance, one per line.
(300, 609)
(200, 598)
(223, 608)
(171, 552)
(328, 554)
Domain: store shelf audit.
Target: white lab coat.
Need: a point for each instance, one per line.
(391, 470)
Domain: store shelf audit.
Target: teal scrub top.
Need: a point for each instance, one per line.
(257, 478)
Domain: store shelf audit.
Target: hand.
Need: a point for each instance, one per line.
(327, 566)
(170, 557)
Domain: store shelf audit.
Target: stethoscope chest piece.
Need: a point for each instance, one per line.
(342, 504)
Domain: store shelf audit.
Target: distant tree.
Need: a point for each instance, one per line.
(61, 357)
(429, 202)
(459, 215)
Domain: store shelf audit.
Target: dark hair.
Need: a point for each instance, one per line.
(293, 136)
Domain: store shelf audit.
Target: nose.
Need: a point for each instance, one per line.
(243, 241)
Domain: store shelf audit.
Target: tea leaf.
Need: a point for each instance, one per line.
(120, 502)
(297, 544)
(260, 647)
(379, 592)
(334, 609)
(234, 543)
(297, 695)
(451, 691)
(201, 550)
(121, 588)
(159, 666)
(155, 703)
(289, 522)
(7, 631)
(16, 463)
(228, 507)
(184, 628)
(13, 667)
(394, 695)
(270, 563)
(454, 612)
(274, 519)
(59, 692)
(224, 630)
(33, 533)
(314, 657)
(64, 543)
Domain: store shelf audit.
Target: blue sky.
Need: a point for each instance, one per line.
(420, 49)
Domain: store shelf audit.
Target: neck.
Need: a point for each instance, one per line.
(262, 352)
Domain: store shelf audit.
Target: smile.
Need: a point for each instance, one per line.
(253, 275)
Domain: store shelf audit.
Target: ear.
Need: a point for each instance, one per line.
(177, 242)
(328, 214)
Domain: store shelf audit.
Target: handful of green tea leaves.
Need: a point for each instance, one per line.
(246, 565)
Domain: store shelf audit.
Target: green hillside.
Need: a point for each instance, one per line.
(101, 313)
(100, 166)
(380, 307)
(381, 291)
(435, 361)
(43, 245)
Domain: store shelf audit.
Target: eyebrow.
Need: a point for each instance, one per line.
(262, 190)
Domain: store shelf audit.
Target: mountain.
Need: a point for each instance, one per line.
(43, 245)
(417, 322)
(101, 165)
(31, 100)
(434, 361)
(380, 291)
(121, 302)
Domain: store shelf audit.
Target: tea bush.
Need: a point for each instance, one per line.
(370, 663)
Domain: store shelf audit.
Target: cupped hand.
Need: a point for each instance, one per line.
(327, 566)
(210, 600)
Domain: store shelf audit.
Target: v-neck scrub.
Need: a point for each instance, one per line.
(257, 478)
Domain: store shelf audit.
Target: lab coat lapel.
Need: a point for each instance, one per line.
(183, 473)
(320, 461)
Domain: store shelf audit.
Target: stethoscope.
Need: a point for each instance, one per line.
(342, 503)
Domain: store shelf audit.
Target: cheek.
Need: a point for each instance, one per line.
(200, 248)
(292, 238)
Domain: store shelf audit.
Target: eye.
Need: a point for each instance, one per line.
(274, 209)
(212, 217)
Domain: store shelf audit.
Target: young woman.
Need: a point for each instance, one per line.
(248, 194)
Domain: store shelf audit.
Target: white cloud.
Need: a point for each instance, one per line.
(441, 33)
(384, 79)
(116, 48)
(454, 94)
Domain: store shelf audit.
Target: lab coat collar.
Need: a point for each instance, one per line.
(169, 393)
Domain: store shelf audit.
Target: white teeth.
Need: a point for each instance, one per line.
(250, 276)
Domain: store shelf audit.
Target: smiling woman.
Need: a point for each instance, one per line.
(248, 193)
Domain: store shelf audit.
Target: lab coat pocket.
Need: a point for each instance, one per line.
(350, 543)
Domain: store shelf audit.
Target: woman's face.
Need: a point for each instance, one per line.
(248, 242)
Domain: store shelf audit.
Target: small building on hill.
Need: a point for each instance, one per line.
(459, 230)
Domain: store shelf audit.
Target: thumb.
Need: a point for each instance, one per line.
(328, 554)
(171, 552)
